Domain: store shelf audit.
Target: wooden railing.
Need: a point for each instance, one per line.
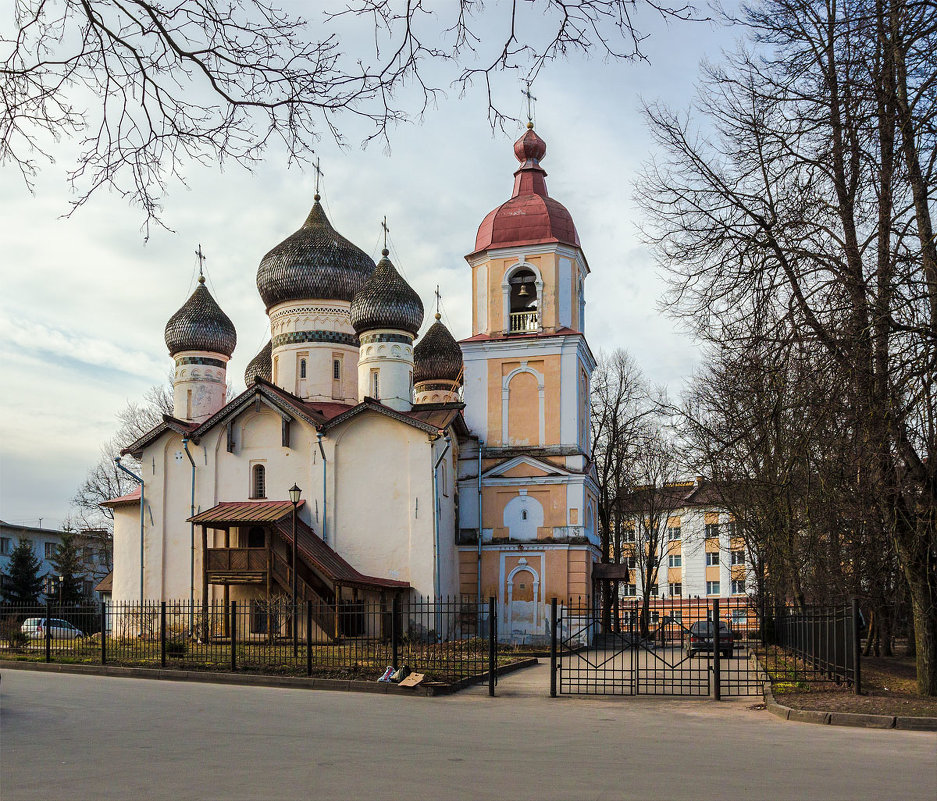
(525, 321)
(236, 559)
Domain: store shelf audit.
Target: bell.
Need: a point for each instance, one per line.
(523, 293)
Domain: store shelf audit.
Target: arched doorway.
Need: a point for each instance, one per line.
(523, 604)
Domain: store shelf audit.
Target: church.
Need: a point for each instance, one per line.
(420, 466)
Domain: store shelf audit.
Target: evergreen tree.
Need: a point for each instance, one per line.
(23, 584)
(69, 571)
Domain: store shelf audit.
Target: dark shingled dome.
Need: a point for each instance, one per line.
(437, 356)
(201, 325)
(261, 365)
(315, 263)
(386, 301)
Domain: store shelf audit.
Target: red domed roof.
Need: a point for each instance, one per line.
(530, 217)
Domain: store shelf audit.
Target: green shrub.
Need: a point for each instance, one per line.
(12, 634)
(176, 648)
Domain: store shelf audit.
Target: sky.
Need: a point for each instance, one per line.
(84, 300)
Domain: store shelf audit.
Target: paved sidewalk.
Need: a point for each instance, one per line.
(80, 737)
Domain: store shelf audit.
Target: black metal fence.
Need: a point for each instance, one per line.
(698, 646)
(447, 639)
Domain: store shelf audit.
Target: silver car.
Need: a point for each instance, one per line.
(35, 629)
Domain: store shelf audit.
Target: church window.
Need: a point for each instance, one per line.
(336, 369)
(375, 384)
(258, 481)
(188, 404)
(302, 368)
(524, 515)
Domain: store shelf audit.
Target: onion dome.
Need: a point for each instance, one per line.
(261, 366)
(315, 263)
(386, 301)
(437, 356)
(531, 216)
(201, 325)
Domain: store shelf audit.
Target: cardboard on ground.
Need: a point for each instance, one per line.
(412, 680)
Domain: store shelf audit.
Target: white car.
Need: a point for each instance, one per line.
(35, 629)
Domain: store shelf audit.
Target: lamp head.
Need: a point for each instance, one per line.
(295, 493)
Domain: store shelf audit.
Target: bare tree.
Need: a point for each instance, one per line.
(806, 217)
(144, 87)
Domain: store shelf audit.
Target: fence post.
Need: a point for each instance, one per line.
(103, 632)
(492, 646)
(395, 631)
(308, 637)
(234, 636)
(856, 645)
(48, 630)
(162, 634)
(553, 624)
(717, 653)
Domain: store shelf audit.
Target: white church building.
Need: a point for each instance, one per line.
(428, 466)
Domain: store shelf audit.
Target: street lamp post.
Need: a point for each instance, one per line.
(295, 492)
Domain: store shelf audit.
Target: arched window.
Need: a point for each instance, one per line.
(256, 537)
(375, 385)
(258, 481)
(524, 301)
(302, 368)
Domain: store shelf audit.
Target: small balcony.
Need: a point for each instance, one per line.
(525, 322)
(236, 565)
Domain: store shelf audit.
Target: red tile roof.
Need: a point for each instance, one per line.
(233, 512)
(132, 497)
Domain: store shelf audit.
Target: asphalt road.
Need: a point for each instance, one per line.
(81, 737)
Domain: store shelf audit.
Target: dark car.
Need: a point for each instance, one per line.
(701, 638)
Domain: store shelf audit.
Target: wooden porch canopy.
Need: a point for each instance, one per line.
(278, 516)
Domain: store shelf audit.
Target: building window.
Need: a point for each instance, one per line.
(712, 587)
(673, 533)
(675, 560)
(712, 530)
(256, 536)
(738, 586)
(336, 369)
(4, 546)
(258, 481)
(654, 590)
(302, 368)
(629, 561)
(739, 617)
(523, 514)
(51, 548)
(375, 385)
(628, 534)
(628, 590)
(738, 557)
(655, 617)
(676, 615)
(676, 589)
(733, 528)
(712, 558)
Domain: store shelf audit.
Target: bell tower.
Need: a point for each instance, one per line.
(527, 373)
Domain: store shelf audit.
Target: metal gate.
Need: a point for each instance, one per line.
(667, 647)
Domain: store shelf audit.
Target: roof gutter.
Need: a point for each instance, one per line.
(436, 560)
(319, 436)
(185, 447)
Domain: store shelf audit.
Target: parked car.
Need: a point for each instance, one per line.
(35, 629)
(701, 638)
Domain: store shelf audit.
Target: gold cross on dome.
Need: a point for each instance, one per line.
(319, 174)
(530, 102)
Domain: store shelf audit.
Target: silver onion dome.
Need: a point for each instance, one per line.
(386, 301)
(200, 325)
(437, 356)
(261, 366)
(315, 263)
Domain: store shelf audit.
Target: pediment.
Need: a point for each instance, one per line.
(524, 467)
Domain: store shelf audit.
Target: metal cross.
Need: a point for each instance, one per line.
(530, 101)
(201, 259)
(438, 298)
(319, 174)
(386, 230)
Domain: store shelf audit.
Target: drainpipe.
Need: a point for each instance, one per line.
(140, 481)
(478, 571)
(325, 538)
(437, 580)
(185, 447)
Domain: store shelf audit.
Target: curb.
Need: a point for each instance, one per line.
(855, 719)
(258, 680)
